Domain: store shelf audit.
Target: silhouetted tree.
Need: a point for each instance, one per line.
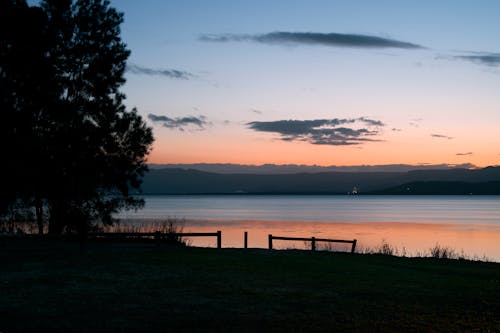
(24, 92)
(86, 151)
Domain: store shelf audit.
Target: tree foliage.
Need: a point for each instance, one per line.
(74, 146)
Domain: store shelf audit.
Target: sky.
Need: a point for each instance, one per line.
(316, 82)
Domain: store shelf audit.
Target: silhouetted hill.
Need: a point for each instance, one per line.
(467, 175)
(189, 181)
(265, 169)
(443, 187)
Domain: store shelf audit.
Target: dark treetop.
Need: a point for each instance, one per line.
(70, 144)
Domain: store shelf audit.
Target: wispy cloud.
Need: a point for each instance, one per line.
(482, 58)
(370, 122)
(170, 73)
(415, 122)
(441, 136)
(313, 38)
(337, 132)
(464, 154)
(180, 123)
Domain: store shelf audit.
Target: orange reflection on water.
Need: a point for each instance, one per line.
(411, 238)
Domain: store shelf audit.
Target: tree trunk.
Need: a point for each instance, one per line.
(59, 216)
(39, 214)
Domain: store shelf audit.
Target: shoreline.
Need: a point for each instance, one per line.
(412, 239)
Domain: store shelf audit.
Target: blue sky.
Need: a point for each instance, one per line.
(202, 72)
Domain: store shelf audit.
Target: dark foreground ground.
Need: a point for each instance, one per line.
(115, 287)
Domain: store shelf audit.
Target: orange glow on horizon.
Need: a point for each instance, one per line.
(282, 153)
(237, 146)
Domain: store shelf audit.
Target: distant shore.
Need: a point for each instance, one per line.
(482, 181)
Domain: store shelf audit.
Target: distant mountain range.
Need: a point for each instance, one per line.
(443, 187)
(169, 180)
(265, 169)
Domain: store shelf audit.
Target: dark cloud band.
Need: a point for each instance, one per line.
(328, 39)
(179, 122)
(170, 73)
(336, 132)
(488, 59)
(441, 136)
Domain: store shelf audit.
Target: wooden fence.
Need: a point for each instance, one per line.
(313, 241)
(162, 236)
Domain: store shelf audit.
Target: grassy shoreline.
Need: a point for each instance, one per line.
(412, 239)
(119, 287)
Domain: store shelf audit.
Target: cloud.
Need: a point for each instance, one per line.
(313, 38)
(322, 131)
(482, 58)
(464, 154)
(180, 122)
(170, 73)
(440, 136)
(415, 122)
(370, 121)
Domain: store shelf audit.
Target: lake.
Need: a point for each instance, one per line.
(411, 224)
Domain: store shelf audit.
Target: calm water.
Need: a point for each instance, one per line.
(412, 224)
(427, 209)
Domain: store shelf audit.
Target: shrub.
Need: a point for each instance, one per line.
(443, 252)
(385, 248)
(169, 229)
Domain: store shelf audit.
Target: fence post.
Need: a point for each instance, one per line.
(270, 242)
(353, 246)
(246, 240)
(313, 243)
(219, 239)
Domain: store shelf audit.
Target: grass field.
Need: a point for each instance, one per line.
(116, 287)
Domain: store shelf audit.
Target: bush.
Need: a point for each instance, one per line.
(169, 229)
(18, 217)
(385, 248)
(443, 252)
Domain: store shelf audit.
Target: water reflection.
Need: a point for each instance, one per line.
(478, 240)
(416, 223)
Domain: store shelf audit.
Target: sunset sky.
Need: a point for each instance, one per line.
(316, 82)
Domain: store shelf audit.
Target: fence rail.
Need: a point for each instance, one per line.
(161, 236)
(313, 241)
